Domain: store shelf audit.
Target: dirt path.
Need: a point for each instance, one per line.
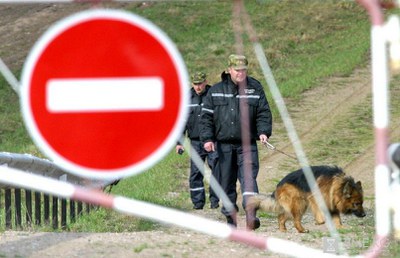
(319, 109)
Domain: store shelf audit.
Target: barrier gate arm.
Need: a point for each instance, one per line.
(381, 34)
(142, 209)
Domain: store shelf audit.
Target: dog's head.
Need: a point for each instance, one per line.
(353, 198)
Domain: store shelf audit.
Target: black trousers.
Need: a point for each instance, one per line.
(238, 163)
(196, 178)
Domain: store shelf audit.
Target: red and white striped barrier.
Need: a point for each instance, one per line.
(142, 209)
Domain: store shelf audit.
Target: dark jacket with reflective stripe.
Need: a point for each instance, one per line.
(221, 115)
(193, 123)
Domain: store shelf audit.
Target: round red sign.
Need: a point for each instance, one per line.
(104, 94)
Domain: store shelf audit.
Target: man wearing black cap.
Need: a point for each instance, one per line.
(236, 114)
(197, 192)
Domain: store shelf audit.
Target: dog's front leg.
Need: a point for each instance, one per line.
(336, 219)
(318, 215)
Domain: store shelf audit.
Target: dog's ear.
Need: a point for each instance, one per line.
(359, 186)
(347, 190)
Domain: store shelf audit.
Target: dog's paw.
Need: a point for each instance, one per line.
(342, 227)
(284, 230)
(303, 231)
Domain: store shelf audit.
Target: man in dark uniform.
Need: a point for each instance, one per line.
(236, 114)
(197, 192)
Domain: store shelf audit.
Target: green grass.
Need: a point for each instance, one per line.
(358, 127)
(160, 185)
(140, 248)
(13, 134)
(305, 42)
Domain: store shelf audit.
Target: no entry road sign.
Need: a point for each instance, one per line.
(104, 94)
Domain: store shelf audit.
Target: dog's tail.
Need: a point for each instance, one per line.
(265, 202)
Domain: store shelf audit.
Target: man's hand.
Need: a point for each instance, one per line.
(179, 149)
(263, 138)
(209, 146)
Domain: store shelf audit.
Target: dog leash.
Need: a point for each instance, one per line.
(272, 147)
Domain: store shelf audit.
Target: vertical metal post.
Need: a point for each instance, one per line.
(28, 203)
(17, 204)
(8, 208)
(54, 214)
(38, 208)
(381, 121)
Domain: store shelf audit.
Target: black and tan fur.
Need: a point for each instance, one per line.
(293, 196)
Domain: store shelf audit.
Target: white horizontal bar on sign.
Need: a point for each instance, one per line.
(105, 94)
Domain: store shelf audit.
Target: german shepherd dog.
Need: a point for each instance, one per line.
(293, 196)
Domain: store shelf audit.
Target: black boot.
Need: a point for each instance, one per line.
(231, 221)
(252, 222)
